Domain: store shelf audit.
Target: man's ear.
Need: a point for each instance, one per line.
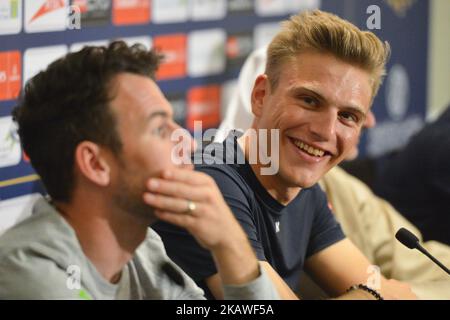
(92, 163)
(259, 93)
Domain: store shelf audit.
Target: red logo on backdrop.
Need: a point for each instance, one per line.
(204, 106)
(48, 6)
(10, 74)
(173, 47)
(232, 47)
(131, 12)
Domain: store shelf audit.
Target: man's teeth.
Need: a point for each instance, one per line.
(309, 149)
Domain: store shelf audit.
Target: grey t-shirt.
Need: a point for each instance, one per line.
(41, 258)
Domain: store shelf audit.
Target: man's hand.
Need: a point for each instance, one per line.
(192, 200)
(395, 290)
(342, 265)
(210, 222)
(390, 290)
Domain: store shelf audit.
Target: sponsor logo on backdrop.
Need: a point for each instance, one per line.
(266, 8)
(208, 9)
(10, 74)
(129, 12)
(239, 46)
(399, 124)
(10, 150)
(173, 47)
(10, 16)
(37, 59)
(170, 11)
(263, 33)
(206, 52)
(93, 12)
(203, 106)
(45, 15)
(240, 6)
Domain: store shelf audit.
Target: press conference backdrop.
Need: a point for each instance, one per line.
(205, 43)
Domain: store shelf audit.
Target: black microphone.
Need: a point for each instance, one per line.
(408, 239)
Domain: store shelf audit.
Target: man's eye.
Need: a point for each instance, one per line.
(160, 131)
(310, 101)
(349, 117)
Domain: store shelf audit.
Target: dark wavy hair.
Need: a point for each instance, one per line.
(69, 103)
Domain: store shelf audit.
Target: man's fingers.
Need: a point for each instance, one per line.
(187, 176)
(176, 189)
(170, 204)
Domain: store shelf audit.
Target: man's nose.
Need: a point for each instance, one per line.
(323, 125)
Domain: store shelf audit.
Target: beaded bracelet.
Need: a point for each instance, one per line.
(367, 289)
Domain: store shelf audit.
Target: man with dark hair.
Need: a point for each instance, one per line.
(98, 131)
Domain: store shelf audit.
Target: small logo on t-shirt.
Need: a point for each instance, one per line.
(277, 226)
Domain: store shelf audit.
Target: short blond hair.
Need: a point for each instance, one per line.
(327, 33)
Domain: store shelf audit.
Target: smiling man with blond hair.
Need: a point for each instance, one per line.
(321, 77)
